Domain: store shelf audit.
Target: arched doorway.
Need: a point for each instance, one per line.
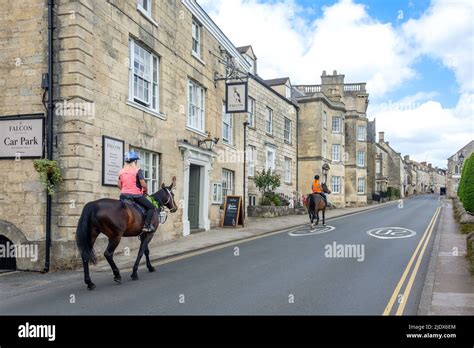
(7, 262)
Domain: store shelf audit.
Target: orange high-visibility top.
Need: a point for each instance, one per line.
(316, 187)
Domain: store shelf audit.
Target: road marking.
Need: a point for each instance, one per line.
(310, 232)
(391, 233)
(401, 307)
(396, 292)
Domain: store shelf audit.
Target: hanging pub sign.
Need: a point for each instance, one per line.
(233, 212)
(236, 96)
(112, 160)
(22, 136)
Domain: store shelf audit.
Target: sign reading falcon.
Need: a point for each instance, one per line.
(236, 97)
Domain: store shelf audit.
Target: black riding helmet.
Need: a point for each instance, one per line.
(316, 177)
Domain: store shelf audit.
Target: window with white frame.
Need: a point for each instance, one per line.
(251, 151)
(361, 133)
(227, 126)
(325, 148)
(336, 152)
(378, 167)
(337, 124)
(196, 38)
(149, 162)
(251, 62)
(287, 130)
(361, 185)
(288, 91)
(143, 76)
(217, 193)
(145, 6)
(251, 112)
(270, 158)
(227, 182)
(360, 158)
(269, 121)
(325, 119)
(196, 106)
(287, 176)
(336, 184)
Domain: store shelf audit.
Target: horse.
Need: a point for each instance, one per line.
(314, 203)
(117, 219)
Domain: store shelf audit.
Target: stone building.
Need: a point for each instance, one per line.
(411, 176)
(333, 130)
(455, 168)
(395, 168)
(377, 167)
(143, 74)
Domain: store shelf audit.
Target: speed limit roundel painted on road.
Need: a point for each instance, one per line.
(391, 233)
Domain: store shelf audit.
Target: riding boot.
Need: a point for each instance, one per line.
(148, 227)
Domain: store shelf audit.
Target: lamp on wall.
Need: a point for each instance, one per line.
(210, 142)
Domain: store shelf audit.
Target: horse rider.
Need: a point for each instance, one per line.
(317, 188)
(132, 185)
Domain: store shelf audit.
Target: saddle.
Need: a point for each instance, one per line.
(141, 210)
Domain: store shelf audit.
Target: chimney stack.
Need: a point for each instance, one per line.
(407, 158)
(381, 137)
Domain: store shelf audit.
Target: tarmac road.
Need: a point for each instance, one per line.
(344, 271)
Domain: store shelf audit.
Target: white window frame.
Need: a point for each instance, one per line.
(150, 163)
(334, 153)
(271, 165)
(287, 172)
(196, 108)
(227, 127)
(251, 62)
(251, 151)
(228, 180)
(146, 11)
(361, 133)
(288, 92)
(325, 119)
(361, 158)
(251, 112)
(287, 130)
(336, 124)
(216, 193)
(196, 38)
(378, 167)
(361, 186)
(325, 148)
(336, 184)
(150, 75)
(269, 121)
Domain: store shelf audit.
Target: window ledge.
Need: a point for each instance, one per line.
(269, 134)
(194, 130)
(288, 142)
(147, 16)
(252, 127)
(199, 59)
(232, 146)
(147, 110)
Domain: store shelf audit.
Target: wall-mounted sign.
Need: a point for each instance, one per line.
(236, 97)
(112, 160)
(22, 136)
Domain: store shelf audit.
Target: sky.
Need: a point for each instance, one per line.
(415, 55)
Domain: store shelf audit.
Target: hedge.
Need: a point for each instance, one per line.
(466, 185)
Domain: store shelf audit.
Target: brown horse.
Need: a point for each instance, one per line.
(315, 203)
(117, 219)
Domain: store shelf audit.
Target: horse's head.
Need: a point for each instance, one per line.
(325, 188)
(165, 196)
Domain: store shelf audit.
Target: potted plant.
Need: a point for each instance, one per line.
(49, 172)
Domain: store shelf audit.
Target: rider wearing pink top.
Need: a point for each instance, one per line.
(132, 185)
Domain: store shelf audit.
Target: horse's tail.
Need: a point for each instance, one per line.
(83, 236)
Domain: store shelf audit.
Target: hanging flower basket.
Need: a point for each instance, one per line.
(50, 174)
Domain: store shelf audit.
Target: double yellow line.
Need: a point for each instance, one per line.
(405, 294)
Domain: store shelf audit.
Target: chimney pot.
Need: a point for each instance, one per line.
(334, 72)
(381, 137)
(324, 72)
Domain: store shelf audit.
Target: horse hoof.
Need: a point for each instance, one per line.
(118, 280)
(134, 277)
(151, 269)
(90, 286)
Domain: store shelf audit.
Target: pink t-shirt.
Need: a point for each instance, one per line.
(128, 179)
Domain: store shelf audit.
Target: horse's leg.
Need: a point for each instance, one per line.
(85, 263)
(143, 245)
(109, 255)
(148, 263)
(317, 216)
(324, 217)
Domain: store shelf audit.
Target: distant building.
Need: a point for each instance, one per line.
(455, 168)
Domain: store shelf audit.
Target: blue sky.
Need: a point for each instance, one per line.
(415, 55)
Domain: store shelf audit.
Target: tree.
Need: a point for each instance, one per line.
(466, 185)
(267, 181)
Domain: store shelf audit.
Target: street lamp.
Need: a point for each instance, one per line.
(461, 159)
(210, 142)
(326, 169)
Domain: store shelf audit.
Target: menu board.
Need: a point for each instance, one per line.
(233, 212)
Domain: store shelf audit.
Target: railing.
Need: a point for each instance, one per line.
(354, 87)
(309, 88)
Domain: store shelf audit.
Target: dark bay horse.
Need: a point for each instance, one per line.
(117, 219)
(315, 203)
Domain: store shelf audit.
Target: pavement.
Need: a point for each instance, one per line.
(365, 261)
(449, 285)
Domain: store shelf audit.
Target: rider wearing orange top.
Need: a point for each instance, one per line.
(316, 187)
